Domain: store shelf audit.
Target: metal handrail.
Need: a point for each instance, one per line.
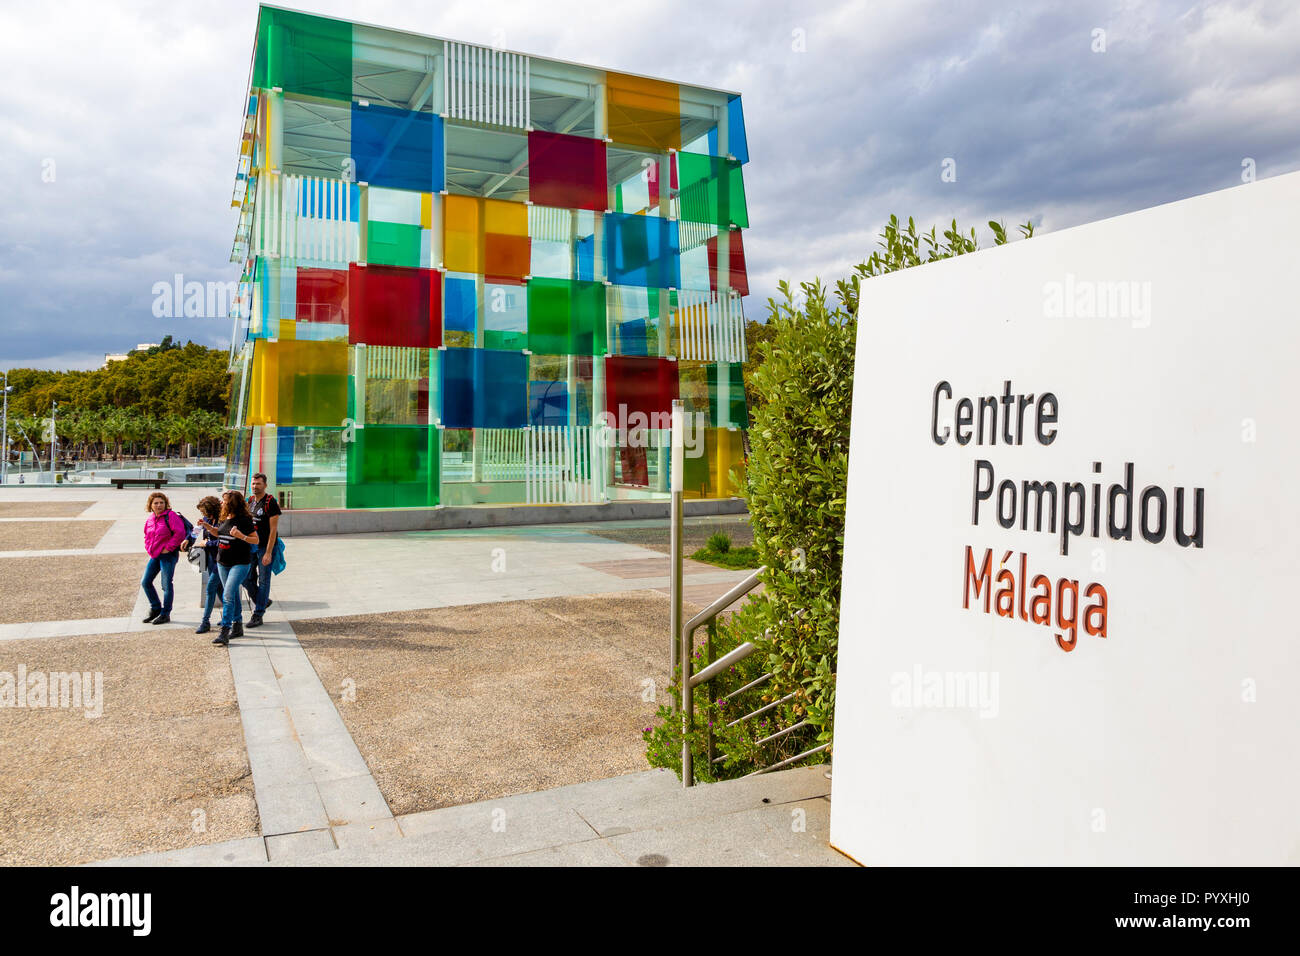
(722, 663)
(721, 604)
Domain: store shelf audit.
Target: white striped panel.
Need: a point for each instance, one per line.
(484, 85)
(559, 469)
(709, 328)
(550, 224)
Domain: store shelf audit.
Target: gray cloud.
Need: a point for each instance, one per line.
(139, 107)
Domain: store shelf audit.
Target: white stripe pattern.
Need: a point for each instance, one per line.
(560, 469)
(303, 218)
(484, 85)
(709, 328)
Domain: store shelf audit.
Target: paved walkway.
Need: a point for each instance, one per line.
(316, 797)
(639, 819)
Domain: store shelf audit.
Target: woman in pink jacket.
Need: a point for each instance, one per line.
(164, 531)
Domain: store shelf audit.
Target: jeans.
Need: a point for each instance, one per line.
(166, 563)
(232, 609)
(212, 592)
(263, 591)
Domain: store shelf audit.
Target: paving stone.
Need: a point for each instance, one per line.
(290, 809)
(363, 834)
(352, 800)
(292, 846)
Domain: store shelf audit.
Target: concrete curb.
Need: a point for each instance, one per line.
(359, 521)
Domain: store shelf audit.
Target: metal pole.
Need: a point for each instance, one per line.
(54, 437)
(4, 465)
(683, 653)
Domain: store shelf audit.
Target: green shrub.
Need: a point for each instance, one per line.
(719, 541)
(795, 485)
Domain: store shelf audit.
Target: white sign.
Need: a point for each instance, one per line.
(1069, 632)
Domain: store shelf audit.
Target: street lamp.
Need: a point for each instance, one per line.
(4, 464)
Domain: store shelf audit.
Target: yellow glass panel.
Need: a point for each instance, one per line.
(505, 218)
(642, 112)
(461, 228)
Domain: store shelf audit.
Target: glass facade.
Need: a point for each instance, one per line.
(477, 276)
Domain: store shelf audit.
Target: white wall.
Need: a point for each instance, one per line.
(1143, 747)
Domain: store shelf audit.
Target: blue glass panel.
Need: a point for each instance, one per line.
(642, 251)
(284, 455)
(484, 388)
(548, 403)
(397, 148)
(460, 303)
(320, 198)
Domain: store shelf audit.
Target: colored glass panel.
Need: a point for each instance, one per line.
(482, 388)
(303, 54)
(737, 275)
(397, 148)
(642, 251)
(299, 383)
(643, 112)
(566, 171)
(706, 470)
(712, 190)
(284, 454)
(460, 304)
(393, 466)
(393, 244)
(506, 252)
(727, 407)
(640, 385)
(462, 225)
(566, 317)
(322, 296)
(390, 305)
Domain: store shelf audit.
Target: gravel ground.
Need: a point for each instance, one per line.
(470, 703)
(51, 535)
(169, 742)
(43, 509)
(64, 589)
(694, 533)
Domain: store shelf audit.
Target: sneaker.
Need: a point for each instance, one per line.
(162, 619)
(153, 614)
(237, 630)
(203, 628)
(223, 637)
(269, 602)
(255, 620)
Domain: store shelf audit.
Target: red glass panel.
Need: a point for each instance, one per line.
(736, 257)
(635, 383)
(566, 171)
(322, 295)
(391, 305)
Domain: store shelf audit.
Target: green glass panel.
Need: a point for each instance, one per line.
(727, 408)
(566, 317)
(393, 466)
(711, 190)
(302, 54)
(392, 244)
(513, 341)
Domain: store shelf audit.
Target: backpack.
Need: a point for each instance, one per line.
(189, 527)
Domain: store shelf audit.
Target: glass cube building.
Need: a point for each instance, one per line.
(477, 276)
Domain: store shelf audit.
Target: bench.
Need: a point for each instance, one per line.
(121, 483)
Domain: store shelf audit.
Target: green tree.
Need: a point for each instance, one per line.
(795, 486)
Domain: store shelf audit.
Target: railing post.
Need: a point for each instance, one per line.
(681, 640)
(711, 751)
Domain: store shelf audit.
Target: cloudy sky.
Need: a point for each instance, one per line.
(119, 124)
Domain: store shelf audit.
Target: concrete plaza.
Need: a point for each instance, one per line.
(453, 697)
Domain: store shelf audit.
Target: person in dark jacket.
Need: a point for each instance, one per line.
(209, 512)
(236, 538)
